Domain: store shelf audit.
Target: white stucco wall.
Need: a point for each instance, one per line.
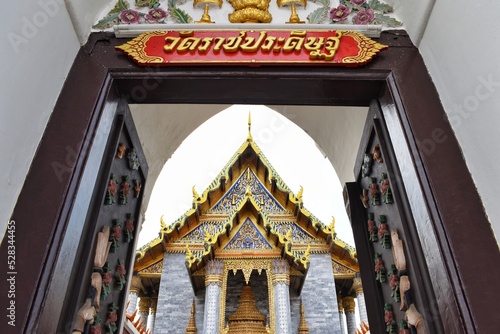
(38, 48)
(414, 16)
(84, 14)
(461, 47)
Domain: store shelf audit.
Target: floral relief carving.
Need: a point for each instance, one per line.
(358, 12)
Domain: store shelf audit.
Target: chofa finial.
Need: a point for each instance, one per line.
(249, 138)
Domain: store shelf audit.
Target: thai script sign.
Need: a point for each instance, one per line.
(252, 47)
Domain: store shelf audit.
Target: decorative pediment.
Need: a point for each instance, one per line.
(197, 235)
(340, 270)
(299, 236)
(236, 193)
(247, 238)
(152, 270)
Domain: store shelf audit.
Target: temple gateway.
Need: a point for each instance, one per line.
(248, 257)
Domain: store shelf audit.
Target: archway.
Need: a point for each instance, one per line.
(398, 81)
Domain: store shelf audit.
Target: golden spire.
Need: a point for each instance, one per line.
(247, 319)
(303, 328)
(191, 327)
(249, 138)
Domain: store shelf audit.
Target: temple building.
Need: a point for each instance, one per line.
(249, 258)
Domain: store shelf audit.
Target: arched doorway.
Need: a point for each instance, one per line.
(397, 80)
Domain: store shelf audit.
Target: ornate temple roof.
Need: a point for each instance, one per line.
(248, 204)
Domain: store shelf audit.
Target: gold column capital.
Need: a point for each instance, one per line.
(281, 278)
(357, 285)
(214, 272)
(136, 284)
(144, 304)
(280, 271)
(340, 304)
(349, 304)
(154, 305)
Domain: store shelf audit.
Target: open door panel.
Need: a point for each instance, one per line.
(112, 226)
(393, 270)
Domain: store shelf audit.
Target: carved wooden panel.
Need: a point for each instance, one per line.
(392, 266)
(112, 227)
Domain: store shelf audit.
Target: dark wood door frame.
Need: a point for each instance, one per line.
(397, 78)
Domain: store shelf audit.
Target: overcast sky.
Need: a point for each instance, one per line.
(202, 155)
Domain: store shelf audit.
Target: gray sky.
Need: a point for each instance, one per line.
(202, 155)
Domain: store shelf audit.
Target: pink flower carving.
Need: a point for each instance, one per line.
(340, 13)
(129, 225)
(112, 317)
(95, 329)
(358, 2)
(364, 17)
(157, 15)
(107, 278)
(130, 16)
(120, 269)
(117, 230)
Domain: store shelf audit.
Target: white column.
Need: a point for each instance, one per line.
(341, 315)
(350, 314)
(362, 308)
(135, 287)
(132, 302)
(152, 315)
(144, 304)
(281, 281)
(214, 271)
(360, 296)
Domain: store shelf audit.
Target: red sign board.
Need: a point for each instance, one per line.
(252, 47)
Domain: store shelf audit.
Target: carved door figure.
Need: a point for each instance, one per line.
(99, 295)
(398, 292)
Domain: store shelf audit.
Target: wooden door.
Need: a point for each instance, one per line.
(101, 277)
(392, 265)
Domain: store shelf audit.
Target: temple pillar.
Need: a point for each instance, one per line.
(144, 304)
(341, 315)
(350, 314)
(281, 281)
(214, 271)
(358, 289)
(133, 295)
(132, 302)
(152, 315)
